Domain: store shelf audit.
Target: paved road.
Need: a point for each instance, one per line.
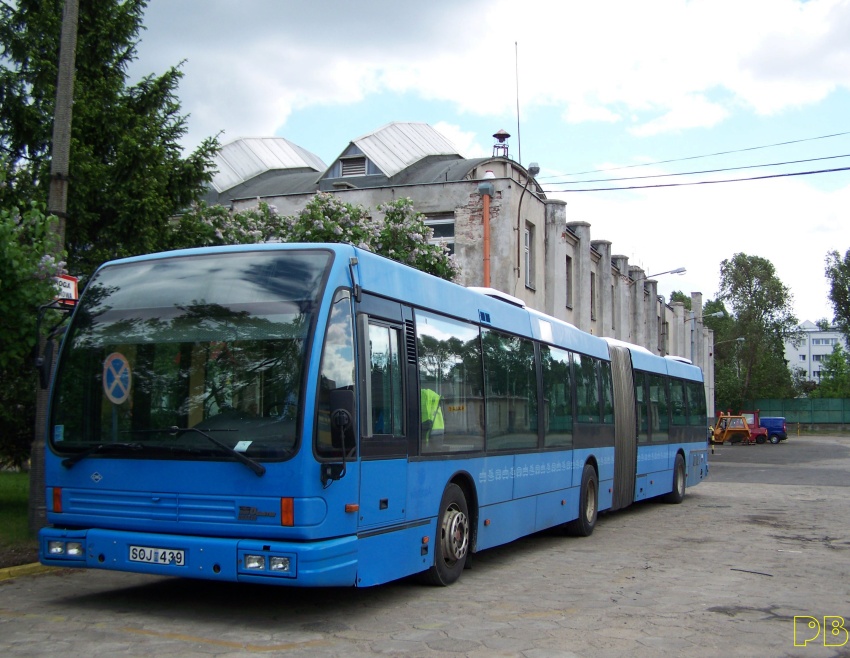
(723, 574)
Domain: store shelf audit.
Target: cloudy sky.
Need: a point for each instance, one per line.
(605, 90)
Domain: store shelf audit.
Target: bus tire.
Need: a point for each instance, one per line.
(677, 495)
(453, 537)
(588, 506)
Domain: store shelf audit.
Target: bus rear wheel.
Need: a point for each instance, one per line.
(677, 495)
(588, 506)
(453, 535)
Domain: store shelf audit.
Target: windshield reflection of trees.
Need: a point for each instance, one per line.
(210, 366)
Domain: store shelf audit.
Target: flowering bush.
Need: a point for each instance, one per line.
(27, 271)
(207, 226)
(404, 237)
(401, 236)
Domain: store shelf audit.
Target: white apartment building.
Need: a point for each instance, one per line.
(814, 348)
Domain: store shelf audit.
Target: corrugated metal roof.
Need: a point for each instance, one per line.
(396, 146)
(244, 158)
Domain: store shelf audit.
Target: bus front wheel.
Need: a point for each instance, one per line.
(453, 536)
(588, 507)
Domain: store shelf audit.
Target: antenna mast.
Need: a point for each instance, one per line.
(516, 70)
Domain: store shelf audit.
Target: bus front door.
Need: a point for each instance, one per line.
(383, 442)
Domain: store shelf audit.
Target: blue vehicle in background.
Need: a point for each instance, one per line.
(774, 425)
(776, 428)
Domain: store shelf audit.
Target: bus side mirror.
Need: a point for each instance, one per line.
(342, 419)
(342, 432)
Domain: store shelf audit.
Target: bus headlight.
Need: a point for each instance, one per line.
(74, 548)
(279, 564)
(255, 562)
(56, 547)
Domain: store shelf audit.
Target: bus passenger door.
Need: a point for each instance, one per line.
(383, 444)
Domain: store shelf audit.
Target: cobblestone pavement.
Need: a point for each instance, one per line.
(722, 574)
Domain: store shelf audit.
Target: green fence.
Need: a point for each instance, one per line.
(807, 411)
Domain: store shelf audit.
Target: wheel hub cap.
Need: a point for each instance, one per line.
(455, 535)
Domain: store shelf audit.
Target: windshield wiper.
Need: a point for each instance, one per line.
(68, 462)
(258, 468)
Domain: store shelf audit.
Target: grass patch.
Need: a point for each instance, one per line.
(14, 509)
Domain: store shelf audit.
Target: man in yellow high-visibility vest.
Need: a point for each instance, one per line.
(433, 427)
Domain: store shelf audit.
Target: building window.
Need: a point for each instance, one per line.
(529, 256)
(593, 295)
(802, 357)
(824, 341)
(819, 357)
(569, 282)
(443, 225)
(353, 166)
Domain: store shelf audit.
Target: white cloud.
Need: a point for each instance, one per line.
(580, 112)
(692, 112)
(464, 141)
(251, 64)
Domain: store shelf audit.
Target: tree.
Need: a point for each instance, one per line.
(129, 176)
(761, 305)
(679, 296)
(27, 271)
(838, 273)
(400, 235)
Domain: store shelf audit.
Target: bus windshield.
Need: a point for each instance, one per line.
(174, 357)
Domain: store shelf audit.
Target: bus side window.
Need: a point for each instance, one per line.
(677, 402)
(587, 377)
(696, 404)
(337, 373)
(451, 386)
(557, 397)
(607, 382)
(386, 402)
(659, 410)
(642, 410)
(510, 391)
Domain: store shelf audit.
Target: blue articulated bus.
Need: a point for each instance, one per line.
(317, 415)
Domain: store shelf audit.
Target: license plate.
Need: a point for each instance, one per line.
(157, 555)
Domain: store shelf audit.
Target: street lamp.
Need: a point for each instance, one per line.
(678, 270)
(739, 340)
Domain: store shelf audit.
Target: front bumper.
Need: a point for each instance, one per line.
(325, 563)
